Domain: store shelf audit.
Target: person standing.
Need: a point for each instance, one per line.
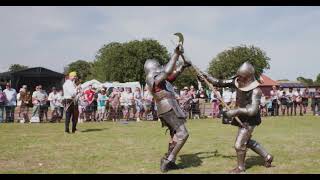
(274, 93)
(202, 97)
(305, 100)
(11, 95)
(115, 104)
(89, 94)
(138, 104)
(55, 103)
(247, 110)
(297, 96)
(284, 102)
(3, 100)
(171, 115)
(101, 102)
(290, 101)
(71, 105)
(25, 98)
(316, 102)
(215, 103)
(40, 98)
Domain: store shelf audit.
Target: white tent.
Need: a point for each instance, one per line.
(94, 83)
(133, 85)
(107, 85)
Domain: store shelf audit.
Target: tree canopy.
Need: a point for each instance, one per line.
(83, 69)
(124, 62)
(17, 67)
(226, 63)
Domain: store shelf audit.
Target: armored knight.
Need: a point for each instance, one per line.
(247, 109)
(159, 79)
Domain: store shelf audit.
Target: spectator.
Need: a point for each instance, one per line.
(316, 102)
(115, 104)
(129, 103)
(202, 96)
(61, 109)
(263, 105)
(82, 106)
(3, 100)
(297, 101)
(55, 100)
(185, 101)
(148, 104)
(284, 102)
(11, 102)
(123, 102)
(193, 92)
(227, 98)
(19, 104)
(274, 93)
(45, 106)
(101, 102)
(138, 103)
(39, 99)
(215, 103)
(89, 94)
(95, 103)
(290, 102)
(25, 98)
(305, 100)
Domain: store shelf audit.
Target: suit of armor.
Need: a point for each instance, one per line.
(159, 81)
(247, 109)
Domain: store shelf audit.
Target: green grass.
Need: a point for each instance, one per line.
(137, 147)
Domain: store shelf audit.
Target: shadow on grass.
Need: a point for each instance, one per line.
(254, 161)
(93, 130)
(195, 160)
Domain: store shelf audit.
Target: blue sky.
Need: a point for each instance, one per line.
(52, 37)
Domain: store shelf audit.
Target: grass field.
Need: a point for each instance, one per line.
(109, 147)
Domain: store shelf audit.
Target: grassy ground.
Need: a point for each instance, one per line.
(109, 147)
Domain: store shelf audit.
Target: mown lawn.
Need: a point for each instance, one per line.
(109, 147)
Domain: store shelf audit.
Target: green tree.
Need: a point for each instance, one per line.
(17, 67)
(83, 69)
(124, 62)
(317, 81)
(305, 80)
(187, 78)
(226, 63)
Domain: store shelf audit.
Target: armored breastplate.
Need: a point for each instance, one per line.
(243, 98)
(166, 101)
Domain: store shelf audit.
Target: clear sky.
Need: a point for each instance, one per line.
(53, 37)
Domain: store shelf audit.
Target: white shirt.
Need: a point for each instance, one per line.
(19, 102)
(234, 96)
(69, 89)
(213, 95)
(11, 95)
(290, 96)
(263, 100)
(129, 98)
(55, 99)
(40, 96)
(274, 94)
(227, 96)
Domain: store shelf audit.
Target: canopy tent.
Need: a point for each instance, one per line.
(94, 83)
(108, 85)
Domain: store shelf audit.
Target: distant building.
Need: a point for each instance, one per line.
(33, 77)
(267, 84)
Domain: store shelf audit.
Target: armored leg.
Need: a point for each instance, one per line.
(180, 137)
(257, 148)
(240, 146)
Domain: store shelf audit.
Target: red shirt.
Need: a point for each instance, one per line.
(89, 95)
